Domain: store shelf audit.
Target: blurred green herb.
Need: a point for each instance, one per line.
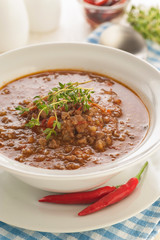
(146, 22)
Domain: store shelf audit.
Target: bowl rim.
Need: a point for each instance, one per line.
(111, 168)
(116, 6)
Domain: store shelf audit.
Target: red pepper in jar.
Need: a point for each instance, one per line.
(104, 2)
(97, 2)
(115, 196)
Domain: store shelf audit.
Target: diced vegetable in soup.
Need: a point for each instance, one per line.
(69, 119)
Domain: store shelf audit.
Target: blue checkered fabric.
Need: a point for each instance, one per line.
(144, 225)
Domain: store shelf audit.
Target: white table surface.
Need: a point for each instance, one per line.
(73, 27)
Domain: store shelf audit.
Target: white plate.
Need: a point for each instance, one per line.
(19, 204)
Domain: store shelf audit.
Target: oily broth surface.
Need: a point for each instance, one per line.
(134, 118)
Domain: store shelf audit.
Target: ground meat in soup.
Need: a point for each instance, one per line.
(115, 122)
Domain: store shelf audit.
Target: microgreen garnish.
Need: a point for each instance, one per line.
(146, 21)
(57, 98)
(22, 110)
(33, 122)
(49, 132)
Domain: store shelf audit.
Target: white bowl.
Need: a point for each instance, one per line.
(137, 74)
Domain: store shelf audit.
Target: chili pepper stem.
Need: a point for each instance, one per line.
(139, 174)
(141, 171)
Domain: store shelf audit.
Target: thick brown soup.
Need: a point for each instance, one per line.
(67, 126)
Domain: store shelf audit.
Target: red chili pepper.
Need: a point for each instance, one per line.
(78, 197)
(79, 109)
(117, 195)
(51, 121)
